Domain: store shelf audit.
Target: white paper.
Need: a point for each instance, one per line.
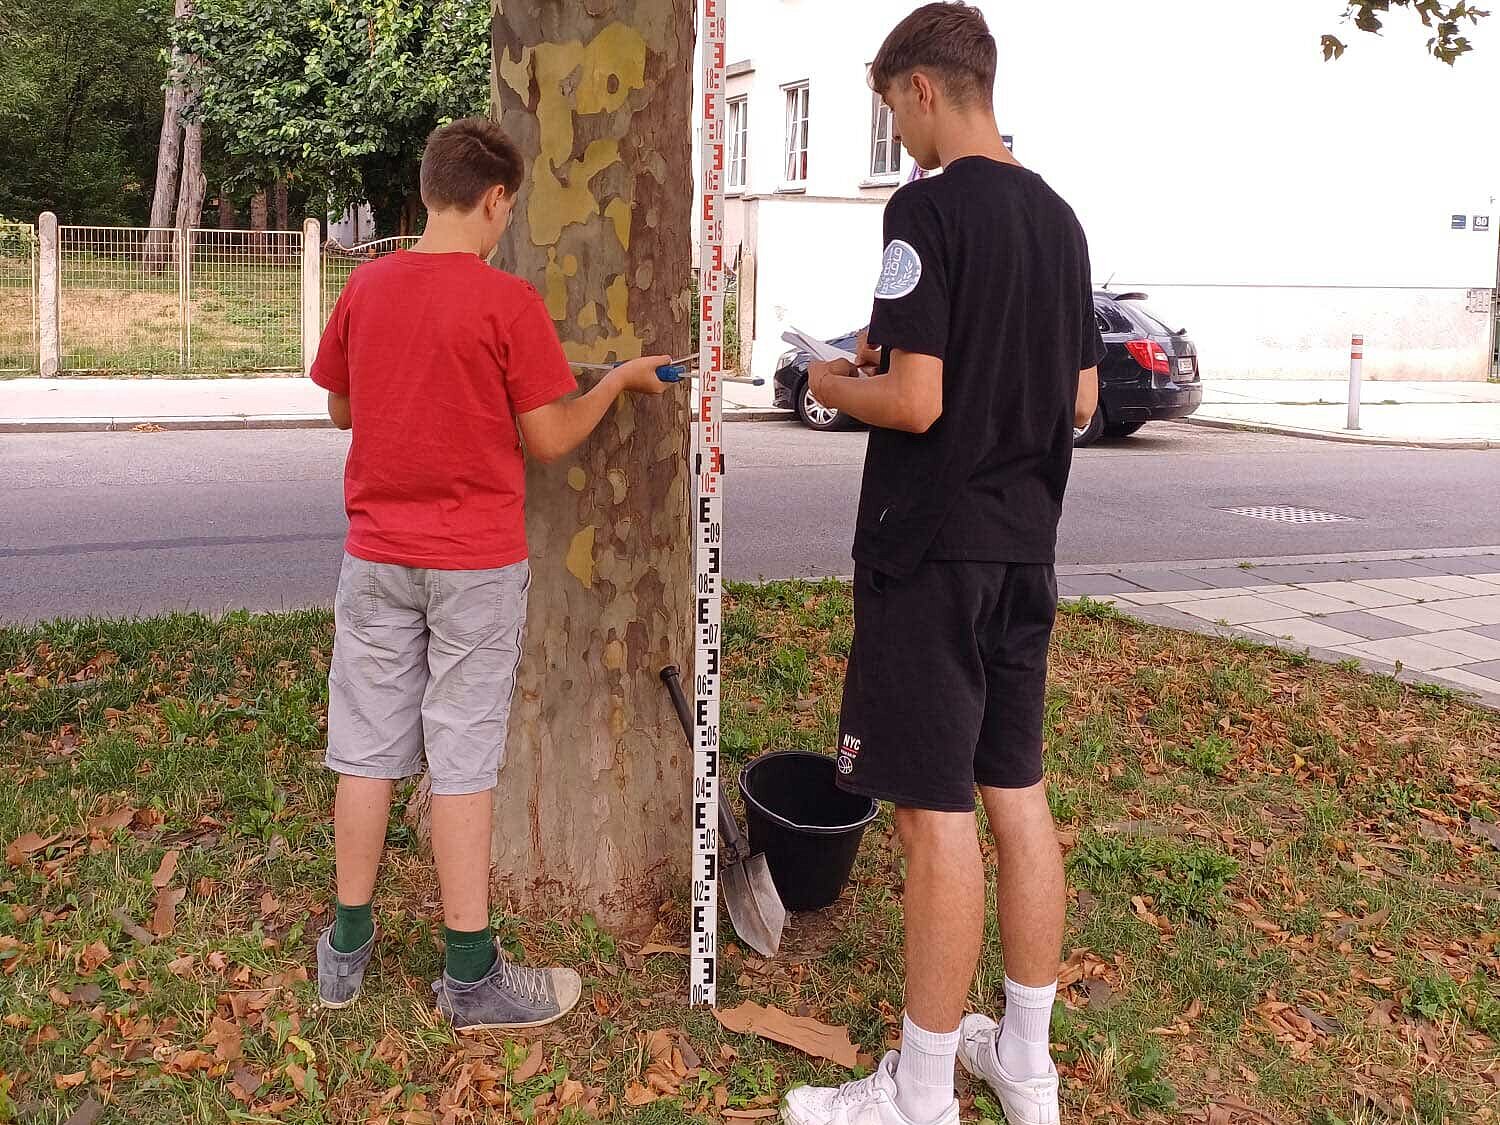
(815, 347)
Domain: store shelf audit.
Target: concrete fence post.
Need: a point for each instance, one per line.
(49, 319)
(1356, 374)
(312, 291)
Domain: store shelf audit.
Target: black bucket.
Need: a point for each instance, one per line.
(808, 828)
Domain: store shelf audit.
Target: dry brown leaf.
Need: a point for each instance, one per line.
(68, 1081)
(107, 822)
(750, 1114)
(88, 1111)
(22, 846)
(224, 1037)
(132, 927)
(531, 1066)
(181, 966)
(246, 1084)
(818, 1039)
(167, 869)
(269, 904)
(93, 956)
(638, 1095)
(164, 918)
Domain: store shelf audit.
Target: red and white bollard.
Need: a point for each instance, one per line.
(1356, 373)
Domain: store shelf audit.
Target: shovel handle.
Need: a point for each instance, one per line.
(729, 827)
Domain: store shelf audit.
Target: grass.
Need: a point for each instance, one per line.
(1276, 900)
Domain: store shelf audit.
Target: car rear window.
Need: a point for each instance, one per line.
(1141, 313)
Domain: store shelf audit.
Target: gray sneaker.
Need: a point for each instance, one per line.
(508, 997)
(341, 975)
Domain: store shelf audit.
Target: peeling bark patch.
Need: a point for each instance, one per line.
(581, 557)
(618, 482)
(577, 478)
(617, 211)
(614, 654)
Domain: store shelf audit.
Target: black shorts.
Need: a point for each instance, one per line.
(947, 682)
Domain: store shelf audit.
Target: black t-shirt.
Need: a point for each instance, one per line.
(988, 269)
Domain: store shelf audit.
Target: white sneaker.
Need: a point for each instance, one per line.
(1026, 1101)
(869, 1101)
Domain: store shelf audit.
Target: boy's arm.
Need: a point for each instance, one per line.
(559, 427)
(1088, 397)
(909, 398)
(338, 411)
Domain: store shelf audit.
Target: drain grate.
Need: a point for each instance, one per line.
(1282, 513)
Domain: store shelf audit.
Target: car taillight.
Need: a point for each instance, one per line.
(1150, 356)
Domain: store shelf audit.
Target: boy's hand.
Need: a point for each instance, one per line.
(866, 358)
(639, 375)
(819, 373)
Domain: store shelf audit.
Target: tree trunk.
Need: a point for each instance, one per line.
(593, 810)
(283, 210)
(194, 184)
(229, 215)
(258, 221)
(168, 156)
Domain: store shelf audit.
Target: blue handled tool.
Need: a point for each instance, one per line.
(673, 372)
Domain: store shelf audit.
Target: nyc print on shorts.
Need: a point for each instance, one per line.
(847, 753)
(900, 271)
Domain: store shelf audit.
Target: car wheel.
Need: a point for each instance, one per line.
(815, 415)
(1089, 434)
(1122, 429)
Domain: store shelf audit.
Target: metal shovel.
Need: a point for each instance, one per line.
(755, 908)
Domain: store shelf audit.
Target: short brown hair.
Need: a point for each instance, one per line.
(466, 158)
(950, 40)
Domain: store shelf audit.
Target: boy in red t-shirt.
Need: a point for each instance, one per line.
(443, 367)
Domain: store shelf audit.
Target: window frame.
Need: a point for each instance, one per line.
(893, 148)
(739, 142)
(798, 95)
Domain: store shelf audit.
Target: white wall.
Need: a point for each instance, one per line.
(1199, 146)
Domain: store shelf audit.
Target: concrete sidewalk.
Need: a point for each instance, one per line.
(1441, 415)
(1429, 616)
(79, 403)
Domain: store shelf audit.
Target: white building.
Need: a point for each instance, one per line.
(1270, 202)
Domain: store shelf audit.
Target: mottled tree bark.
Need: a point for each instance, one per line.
(258, 220)
(592, 814)
(194, 185)
(168, 158)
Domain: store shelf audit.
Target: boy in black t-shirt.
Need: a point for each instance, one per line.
(984, 338)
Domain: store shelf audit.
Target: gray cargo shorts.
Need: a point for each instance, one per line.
(424, 660)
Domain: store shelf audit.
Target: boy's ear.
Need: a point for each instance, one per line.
(498, 196)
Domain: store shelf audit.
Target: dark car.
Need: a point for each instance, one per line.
(1150, 373)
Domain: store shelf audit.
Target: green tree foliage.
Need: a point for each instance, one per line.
(336, 96)
(1446, 21)
(80, 107)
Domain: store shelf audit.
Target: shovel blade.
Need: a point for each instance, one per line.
(754, 906)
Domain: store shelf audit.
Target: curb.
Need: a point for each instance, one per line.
(148, 424)
(1334, 436)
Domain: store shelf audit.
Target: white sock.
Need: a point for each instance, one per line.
(1025, 1047)
(924, 1076)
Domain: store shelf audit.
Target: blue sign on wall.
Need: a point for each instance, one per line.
(1460, 222)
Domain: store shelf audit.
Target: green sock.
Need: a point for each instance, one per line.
(471, 953)
(352, 927)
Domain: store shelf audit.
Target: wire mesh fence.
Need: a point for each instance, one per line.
(243, 306)
(120, 298)
(18, 285)
(339, 262)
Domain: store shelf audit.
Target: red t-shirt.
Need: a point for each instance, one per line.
(438, 354)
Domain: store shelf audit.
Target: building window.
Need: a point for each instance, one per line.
(739, 138)
(796, 134)
(885, 149)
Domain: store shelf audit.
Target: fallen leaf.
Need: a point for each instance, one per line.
(93, 956)
(88, 1112)
(167, 869)
(1100, 995)
(1326, 1024)
(269, 904)
(224, 1037)
(246, 1084)
(750, 1114)
(206, 887)
(675, 950)
(638, 1095)
(820, 1040)
(531, 1066)
(85, 994)
(180, 966)
(23, 846)
(108, 822)
(164, 919)
(1381, 1014)
(1485, 830)
(68, 1081)
(131, 926)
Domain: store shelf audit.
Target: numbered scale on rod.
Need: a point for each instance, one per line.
(708, 517)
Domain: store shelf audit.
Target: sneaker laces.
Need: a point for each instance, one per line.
(529, 984)
(852, 1093)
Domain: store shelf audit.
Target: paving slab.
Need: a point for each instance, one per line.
(1469, 680)
(1475, 611)
(1465, 643)
(1492, 631)
(1460, 584)
(1235, 577)
(1490, 669)
(1424, 618)
(1407, 651)
(1162, 580)
(1241, 610)
(1366, 597)
(1367, 625)
(1077, 585)
(1464, 564)
(1306, 631)
(1305, 601)
(1419, 589)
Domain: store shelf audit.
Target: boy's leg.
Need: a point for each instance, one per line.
(1015, 1057)
(361, 814)
(461, 828)
(375, 686)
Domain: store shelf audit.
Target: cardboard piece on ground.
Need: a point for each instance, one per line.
(820, 1040)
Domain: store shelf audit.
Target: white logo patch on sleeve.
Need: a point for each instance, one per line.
(900, 271)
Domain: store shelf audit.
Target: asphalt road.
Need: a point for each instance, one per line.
(106, 524)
